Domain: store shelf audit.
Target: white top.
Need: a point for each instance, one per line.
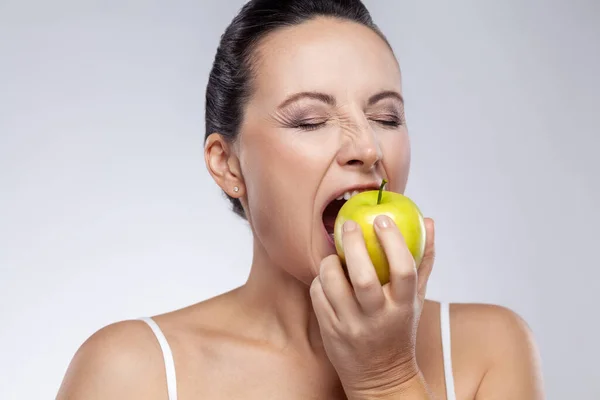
(446, 351)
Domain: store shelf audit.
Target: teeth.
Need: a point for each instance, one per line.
(349, 194)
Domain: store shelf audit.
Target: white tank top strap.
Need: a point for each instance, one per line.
(167, 356)
(447, 350)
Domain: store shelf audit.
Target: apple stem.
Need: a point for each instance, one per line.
(381, 191)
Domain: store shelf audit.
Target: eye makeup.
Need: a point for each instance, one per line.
(309, 117)
(305, 117)
(389, 114)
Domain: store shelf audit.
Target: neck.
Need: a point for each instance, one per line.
(279, 306)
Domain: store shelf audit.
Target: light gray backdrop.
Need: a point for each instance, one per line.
(107, 211)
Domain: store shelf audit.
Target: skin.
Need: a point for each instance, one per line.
(298, 328)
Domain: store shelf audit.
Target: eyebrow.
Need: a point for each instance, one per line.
(386, 95)
(322, 97)
(330, 100)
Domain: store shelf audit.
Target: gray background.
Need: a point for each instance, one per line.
(107, 211)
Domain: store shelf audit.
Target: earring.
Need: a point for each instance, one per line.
(236, 189)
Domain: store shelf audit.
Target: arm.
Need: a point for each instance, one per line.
(120, 361)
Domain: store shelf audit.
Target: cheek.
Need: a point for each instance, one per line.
(283, 174)
(278, 178)
(281, 182)
(396, 159)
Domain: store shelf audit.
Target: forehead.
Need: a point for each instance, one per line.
(338, 57)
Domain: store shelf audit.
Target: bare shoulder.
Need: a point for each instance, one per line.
(493, 321)
(121, 360)
(124, 360)
(506, 346)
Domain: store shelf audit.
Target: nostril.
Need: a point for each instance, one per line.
(355, 162)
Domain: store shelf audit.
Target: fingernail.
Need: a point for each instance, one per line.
(349, 226)
(382, 221)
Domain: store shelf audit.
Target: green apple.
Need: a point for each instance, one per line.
(363, 207)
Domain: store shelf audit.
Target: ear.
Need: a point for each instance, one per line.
(223, 165)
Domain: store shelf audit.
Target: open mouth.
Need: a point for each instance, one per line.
(332, 209)
(329, 216)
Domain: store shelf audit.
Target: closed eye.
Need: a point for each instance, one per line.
(392, 123)
(311, 126)
(306, 126)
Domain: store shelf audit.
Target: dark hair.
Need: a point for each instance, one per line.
(229, 83)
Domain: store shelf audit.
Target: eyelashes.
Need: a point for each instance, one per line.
(314, 118)
(309, 126)
(392, 122)
(387, 122)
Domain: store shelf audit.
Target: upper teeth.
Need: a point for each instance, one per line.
(350, 193)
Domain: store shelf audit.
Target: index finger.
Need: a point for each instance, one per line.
(363, 276)
(403, 268)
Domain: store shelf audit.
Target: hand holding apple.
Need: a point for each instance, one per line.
(369, 330)
(368, 318)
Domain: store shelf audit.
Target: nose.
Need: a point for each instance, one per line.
(361, 151)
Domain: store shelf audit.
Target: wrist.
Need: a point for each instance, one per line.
(415, 388)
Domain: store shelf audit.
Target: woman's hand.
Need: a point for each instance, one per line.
(368, 330)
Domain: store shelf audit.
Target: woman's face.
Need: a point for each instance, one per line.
(326, 116)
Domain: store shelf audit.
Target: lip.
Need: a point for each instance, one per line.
(338, 193)
(329, 238)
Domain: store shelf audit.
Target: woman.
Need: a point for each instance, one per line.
(303, 105)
